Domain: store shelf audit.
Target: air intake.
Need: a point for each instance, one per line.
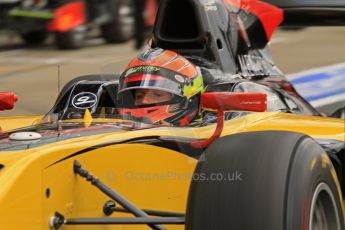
(178, 26)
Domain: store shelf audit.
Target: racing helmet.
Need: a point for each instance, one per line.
(163, 71)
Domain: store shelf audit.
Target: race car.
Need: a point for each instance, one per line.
(69, 20)
(261, 157)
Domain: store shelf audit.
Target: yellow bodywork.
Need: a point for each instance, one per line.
(37, 182)
(9, 123)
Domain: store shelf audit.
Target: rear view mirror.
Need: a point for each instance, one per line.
(251, 102)
(221, 102)
(7, 100)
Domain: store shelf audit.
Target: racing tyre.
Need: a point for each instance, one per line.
(72, 39)
(121, 27)
(265, 180)
(34, 37)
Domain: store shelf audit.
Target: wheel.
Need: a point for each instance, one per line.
(121, 27)
(72, 39)
(35, 37)
(265, 180)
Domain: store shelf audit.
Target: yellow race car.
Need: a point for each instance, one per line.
(260, 157)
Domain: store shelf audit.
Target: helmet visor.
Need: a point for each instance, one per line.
(159, 79)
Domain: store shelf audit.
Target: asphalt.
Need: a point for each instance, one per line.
(37, 73)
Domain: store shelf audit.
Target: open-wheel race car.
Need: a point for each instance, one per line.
(258, 157)
(68, 20)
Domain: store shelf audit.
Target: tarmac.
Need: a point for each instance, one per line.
(37, 74)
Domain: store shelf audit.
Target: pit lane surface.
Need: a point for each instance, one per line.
(32, 72)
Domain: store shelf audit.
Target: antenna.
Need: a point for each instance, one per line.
(59, 122)
(58, 79)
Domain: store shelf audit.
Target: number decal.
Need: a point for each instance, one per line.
(84, 100)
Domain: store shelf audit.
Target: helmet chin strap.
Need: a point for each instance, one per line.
(185, 104)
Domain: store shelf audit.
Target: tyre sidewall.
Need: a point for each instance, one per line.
(72, 39)
(281, 171)
(114, 32)
(311, 167)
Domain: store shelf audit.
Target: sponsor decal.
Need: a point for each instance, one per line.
(142, 69)
(84, 100)
(210, 5)
(251, 103)
(179, 78)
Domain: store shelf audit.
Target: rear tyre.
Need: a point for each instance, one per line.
(265, 180)
(35, 37)
(72, 39)
(121, 27)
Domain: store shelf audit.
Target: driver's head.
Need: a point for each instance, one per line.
(151, 96)
(160, 86)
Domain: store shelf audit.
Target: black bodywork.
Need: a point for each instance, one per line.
(311, 13)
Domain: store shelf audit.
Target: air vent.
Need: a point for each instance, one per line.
(1, 167)
(178, 26)
(179, 21)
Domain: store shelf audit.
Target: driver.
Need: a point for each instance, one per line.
(160, 87)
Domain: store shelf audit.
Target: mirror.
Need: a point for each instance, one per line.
(229, 101)
(7, 100)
